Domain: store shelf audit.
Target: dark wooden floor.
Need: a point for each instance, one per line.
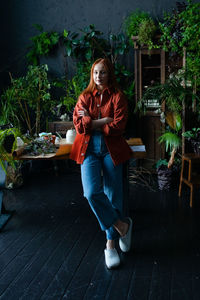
(52, 247)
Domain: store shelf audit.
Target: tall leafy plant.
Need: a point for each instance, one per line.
(173, 93)
(29, 99)
(171, 137)
(181, 29)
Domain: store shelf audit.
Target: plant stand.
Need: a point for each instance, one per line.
(190, 178)
(3, 217)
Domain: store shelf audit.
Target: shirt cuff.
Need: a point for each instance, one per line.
(87, 123)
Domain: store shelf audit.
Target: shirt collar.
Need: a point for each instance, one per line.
(108, 89)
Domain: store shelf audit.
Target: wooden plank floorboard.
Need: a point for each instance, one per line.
(23, 268)
(100, 281)
(181, 288)
(15, 249)
(13, 239)
(140, 280)
(120, 281)
(70, 266)
(51, 267)
(21, 261)
(152, 275)
(52, 248)
(79, 283)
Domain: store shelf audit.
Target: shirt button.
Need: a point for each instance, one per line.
(98, 105)
(82, 154)
(86, 142)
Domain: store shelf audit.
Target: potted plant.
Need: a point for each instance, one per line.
(27, 101)
(140, 27)
(147, 31)
(171, 94)
(171, 138)
(193, 136)
(8, 142)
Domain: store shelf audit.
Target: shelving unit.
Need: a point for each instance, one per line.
(150, 67)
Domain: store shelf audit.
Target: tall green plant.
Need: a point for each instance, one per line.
(29, 99)
(181, 29)
(171, 137)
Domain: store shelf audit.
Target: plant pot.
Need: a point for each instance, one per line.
(168, 178)
(196, 146)
(164, 177)
(8, 143)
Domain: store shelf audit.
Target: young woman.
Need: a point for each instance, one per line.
(100, 117)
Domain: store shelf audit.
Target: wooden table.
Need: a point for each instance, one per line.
(64, 150)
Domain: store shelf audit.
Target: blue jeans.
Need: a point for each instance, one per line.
(104, 194)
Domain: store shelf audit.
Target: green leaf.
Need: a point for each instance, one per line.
(171, 140)
(65, 33)
(178, 122)
(69, 50)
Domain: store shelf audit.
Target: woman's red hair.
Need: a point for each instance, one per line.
(112, 82)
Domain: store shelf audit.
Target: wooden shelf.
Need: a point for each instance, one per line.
(152, 67)
(149, 66)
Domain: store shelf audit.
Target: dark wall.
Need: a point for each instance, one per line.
(18, 16)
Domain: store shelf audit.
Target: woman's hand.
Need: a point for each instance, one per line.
(97, 124)
(83, 112)
(107, 120)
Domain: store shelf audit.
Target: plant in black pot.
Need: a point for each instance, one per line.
(167, 171)
(193, 136)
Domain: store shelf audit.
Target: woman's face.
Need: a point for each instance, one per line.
(100, 76)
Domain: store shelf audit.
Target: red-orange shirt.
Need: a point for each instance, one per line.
(113, 105)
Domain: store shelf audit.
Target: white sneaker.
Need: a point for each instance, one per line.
(111, 258)
(125, 241)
